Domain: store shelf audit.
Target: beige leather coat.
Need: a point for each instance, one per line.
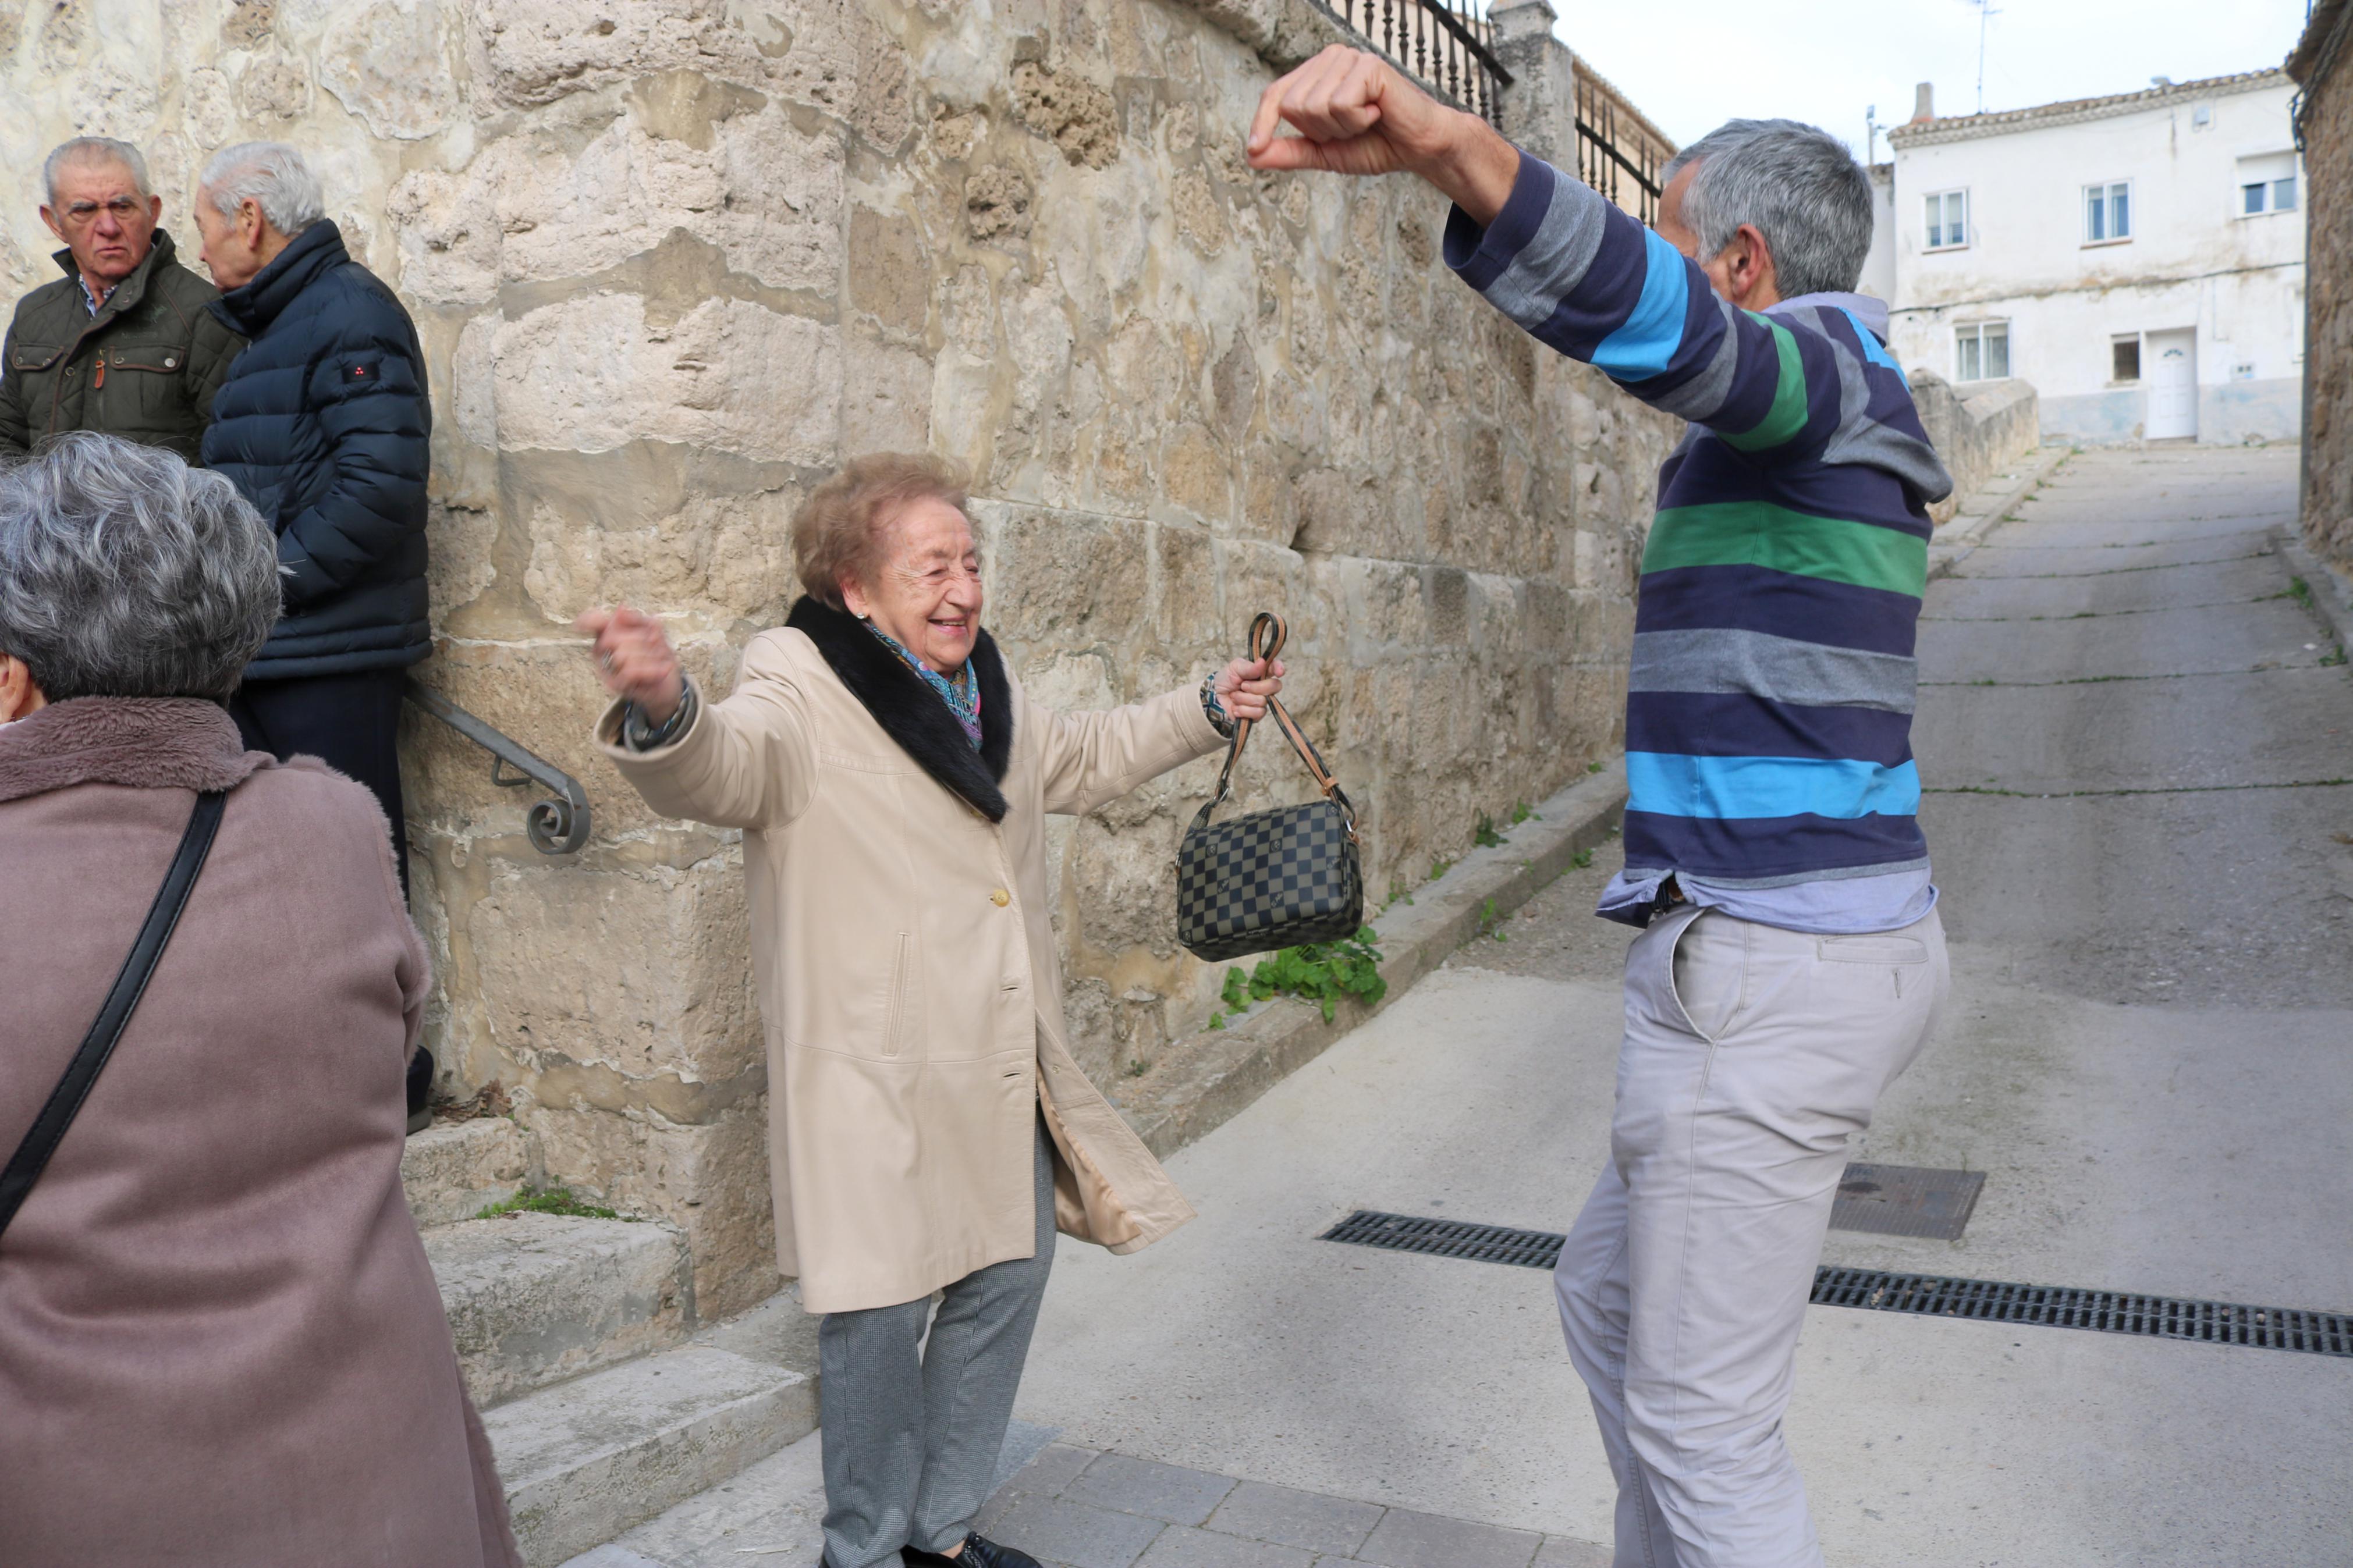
(907, 975)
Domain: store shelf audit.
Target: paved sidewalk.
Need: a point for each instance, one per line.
(1080, 1507)
(1077, 1508)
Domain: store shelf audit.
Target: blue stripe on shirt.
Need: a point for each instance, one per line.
(1645, 345)
(1838, 788)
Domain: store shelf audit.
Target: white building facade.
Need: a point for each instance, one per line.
(2140, 258)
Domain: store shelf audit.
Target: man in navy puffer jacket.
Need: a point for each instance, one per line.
(323, 424)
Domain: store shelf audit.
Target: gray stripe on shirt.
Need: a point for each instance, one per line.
(1553, 260)
(1780, 670)
(1702, 397)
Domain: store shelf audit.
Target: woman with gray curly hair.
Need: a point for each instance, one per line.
(220, 1341)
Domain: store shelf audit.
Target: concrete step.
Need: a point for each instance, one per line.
(534, 1299)
(453, 1169)
(588, 1459)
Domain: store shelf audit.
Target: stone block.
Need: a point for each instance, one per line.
(1068, 579)
(1076, 1533)
(533, 1299)
(1069, 110)
(588, 1459)
(890, 275)
(1563, 1551)
(1168, 1492)
(452, 1169)
(709, 1179)
(1404, 1538)
(1310, 1521)
(594, 373)
(389, 64)
(1182, 1548)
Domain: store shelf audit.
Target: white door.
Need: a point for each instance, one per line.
(2172, 373)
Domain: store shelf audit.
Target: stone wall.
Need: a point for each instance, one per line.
(673, 259)
(1978, 435)
(2320, 65)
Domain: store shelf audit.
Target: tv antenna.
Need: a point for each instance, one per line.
(1986, 13)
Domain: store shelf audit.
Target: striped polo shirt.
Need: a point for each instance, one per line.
(1768, 714)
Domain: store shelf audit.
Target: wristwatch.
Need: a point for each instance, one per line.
(1213, 709)
(641, 734)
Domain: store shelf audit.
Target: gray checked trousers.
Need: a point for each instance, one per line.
(1752, 1055)
(912, 1427)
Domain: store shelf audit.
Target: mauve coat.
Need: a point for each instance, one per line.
(220, 1341)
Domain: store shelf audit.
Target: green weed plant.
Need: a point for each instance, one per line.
(1322, 973)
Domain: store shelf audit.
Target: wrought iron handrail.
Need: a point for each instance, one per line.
(1466, 72)
(556, 826)
(1602, 160)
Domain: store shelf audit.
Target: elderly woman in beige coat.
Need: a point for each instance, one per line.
(930, 1130)
(220, 1341)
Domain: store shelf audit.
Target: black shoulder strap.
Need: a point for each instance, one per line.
(25, 1164)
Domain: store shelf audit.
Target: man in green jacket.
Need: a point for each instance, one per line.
(122, 342)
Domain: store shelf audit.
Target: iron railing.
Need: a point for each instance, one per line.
(1617, 153)
(558, 826)
(1445, 45)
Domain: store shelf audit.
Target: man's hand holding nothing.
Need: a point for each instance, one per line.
(1356, 114)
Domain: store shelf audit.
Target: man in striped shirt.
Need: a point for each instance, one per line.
(1792, 959)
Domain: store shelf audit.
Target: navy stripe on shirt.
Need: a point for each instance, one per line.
(1759, 599)
(1735, 848)
(1727, 724)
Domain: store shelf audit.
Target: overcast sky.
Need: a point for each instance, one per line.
(1691, 65)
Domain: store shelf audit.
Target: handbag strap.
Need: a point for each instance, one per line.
(48, 1128)
(1267, 633)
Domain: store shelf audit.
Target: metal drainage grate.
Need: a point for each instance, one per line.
(1448, 1239)
(1907, 1200)
(2104, 1312)
(1925, 1295)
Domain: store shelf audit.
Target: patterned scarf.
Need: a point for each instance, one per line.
(961, 693)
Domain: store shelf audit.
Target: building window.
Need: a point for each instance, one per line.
(2267, 185)
(1948, 220)
(1982, 351)
(2108, 212)
(2123, 354)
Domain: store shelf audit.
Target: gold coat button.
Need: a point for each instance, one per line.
(1000, 897)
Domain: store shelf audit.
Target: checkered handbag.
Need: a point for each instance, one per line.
(1272, 878)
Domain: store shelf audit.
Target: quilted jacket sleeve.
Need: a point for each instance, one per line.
(16, 424)
(369, 395)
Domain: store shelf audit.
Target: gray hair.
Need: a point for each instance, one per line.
(1797, 183)
(93, 150)
(125, 572)
(273, 176)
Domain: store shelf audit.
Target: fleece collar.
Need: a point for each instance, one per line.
(144, 743)
(912, 714)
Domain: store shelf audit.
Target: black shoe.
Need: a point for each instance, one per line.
(979, 1553)
(420, 1090)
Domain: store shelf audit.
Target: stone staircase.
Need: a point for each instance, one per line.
(606, 1398)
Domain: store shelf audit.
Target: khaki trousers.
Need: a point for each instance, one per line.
(1752, 1055)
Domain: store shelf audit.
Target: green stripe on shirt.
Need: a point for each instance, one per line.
(1757, 534)
(1787, 416)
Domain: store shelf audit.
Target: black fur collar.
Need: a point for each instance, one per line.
(912, 714)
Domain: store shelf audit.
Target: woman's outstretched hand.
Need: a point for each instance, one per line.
(634, 660)
(1244, 686)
